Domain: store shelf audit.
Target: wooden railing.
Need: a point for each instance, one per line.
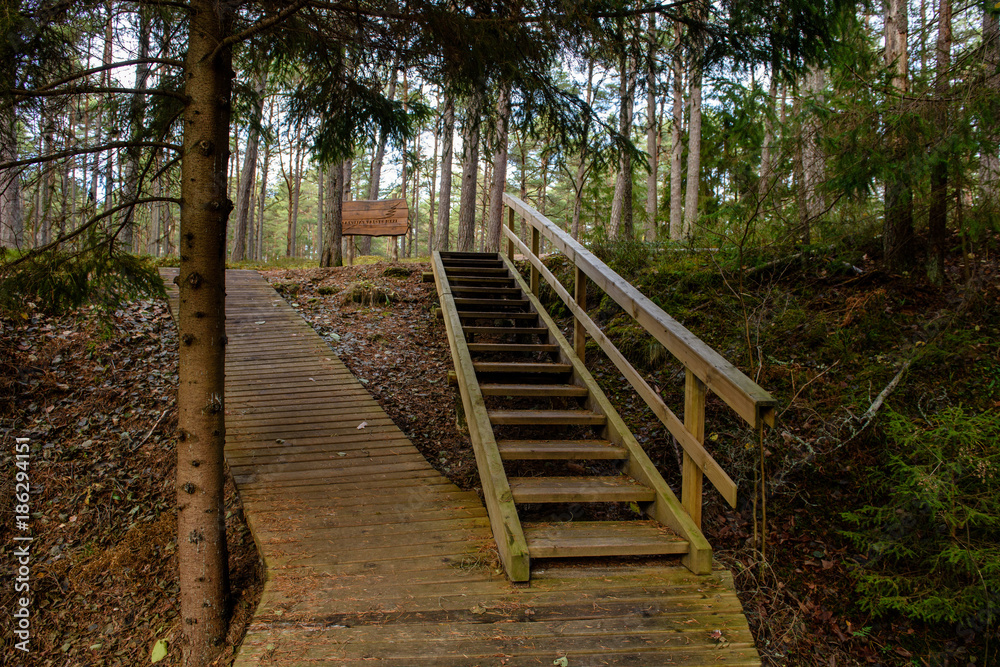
(706, 369)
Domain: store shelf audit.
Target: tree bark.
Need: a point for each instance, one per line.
(813, 160)
(499, 182)
(137, 108)
(444, 199)
(244, 193)
(989, 166)
(621, 223)
(11, 214)
(676, 144)
(581, 169)
(332, 254)
(470, 176)
(365, 242)
(765, 183)
(938, 214)
(201, 528)
(692, 192)
(109, 183)
(897, 236)
(652, 132)
(432, 194)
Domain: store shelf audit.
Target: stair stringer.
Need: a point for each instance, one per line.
(667, 508)
(504, 520)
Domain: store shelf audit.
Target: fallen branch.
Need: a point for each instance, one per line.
(143, 441)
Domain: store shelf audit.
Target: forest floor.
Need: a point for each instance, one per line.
(96, 394)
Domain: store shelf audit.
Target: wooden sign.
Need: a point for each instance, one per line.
(385, 217)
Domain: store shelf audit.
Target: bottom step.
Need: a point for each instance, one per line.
(576, 539)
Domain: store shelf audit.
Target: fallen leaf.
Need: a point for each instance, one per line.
(159, 651)
(362, 425)
(561, 662)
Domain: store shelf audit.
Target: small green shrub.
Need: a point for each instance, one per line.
(367, 293)
(398, 271)
(934, 546)
(326, 290)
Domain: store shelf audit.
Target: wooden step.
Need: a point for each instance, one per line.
(532, 331)
(500, 291)
(579, 490)
(451, 254)
(520, 367)
(494, 315)
(576, 539)
(480, 281)
(460, 262)
(546, 417)
(513, 347)
(511, 389)
(550, 450)
(475, 271)
(507, 303)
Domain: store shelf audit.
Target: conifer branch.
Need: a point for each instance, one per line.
(103, 68)
(258, 27)
(85, 151)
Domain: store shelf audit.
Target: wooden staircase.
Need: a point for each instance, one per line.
(549, 445)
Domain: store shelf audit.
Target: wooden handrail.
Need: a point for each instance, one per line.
(706, 369)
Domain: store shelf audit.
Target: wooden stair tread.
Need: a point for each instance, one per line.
(520, 367)
(579, 489)
(601, 538)
(476, 271)
(470, 289)
(495, 315)
(513, 347)
(547, 417)
(462, 301)
(480, 280)
(518, 450)
(527, 331)
(504, 389)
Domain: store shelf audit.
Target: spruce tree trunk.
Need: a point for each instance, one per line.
(938, 214)
(652, 133)
(201, 528)
(499, 183)
(621, 225)
(897, 235)
(432, 195)
(11, 215)
(320, 219)
(470, 176)
(813, 160)
(581, 169)
(676, 145)
(244, 193)
(332, 251)
(766, 168)
(109, 182)
(444, 198)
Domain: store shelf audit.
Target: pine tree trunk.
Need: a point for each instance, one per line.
(499, 182)
(581, 168)
(766, 167)
(652, 133)
(897, 236)
(265, 165)
(621, 224)
(365, 242)
(444, 199)
(347, 171)
(432, 196)
(938, 214)
(299, 157)
(676, 144)
(813, 160)
(11, 214)
(332, 251)
(320, 213)
(989, 165)
(109, 176)
(201, 528)
(470, 176)
(244, 193)
(692, 191)
(137, 108)
(46, 184)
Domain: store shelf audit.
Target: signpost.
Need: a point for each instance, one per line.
(385, 217)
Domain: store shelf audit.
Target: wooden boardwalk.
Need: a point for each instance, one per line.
(373, 557)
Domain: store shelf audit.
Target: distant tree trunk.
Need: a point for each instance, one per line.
(296, 193)
(798, 169)
(897, 236)
(499, 182)
(766, 167)
(46, 185)
(989, 165)
(365, 242)
(347, 172)
(331, 254)
(581, 169)
(244, 193)
(676, 142)
(444, 199)
(432, 194)
(109, 176)
(11, 215)
(691, 195)
(813, 160)
(652, 133)
(265, 165)
(137, 108)
(938, 214)
(621, 225)
(201, 528)
(320, 219)
(470, 175)
(522, 192)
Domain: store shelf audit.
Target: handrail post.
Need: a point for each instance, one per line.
(510, 226)
(694, 420)
(580, 296)
(535, 238)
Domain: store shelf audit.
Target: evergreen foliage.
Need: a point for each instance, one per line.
(934, 545)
